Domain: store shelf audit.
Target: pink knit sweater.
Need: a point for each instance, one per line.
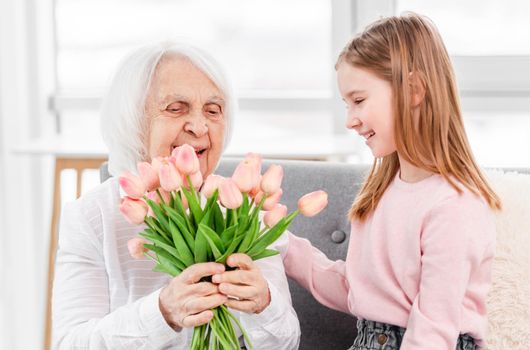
(422, 260)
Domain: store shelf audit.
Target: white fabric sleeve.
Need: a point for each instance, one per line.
(81, 308)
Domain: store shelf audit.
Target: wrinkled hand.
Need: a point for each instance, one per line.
(186, 302)
(246, 287)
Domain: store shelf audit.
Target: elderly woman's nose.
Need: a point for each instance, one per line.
(196, 125)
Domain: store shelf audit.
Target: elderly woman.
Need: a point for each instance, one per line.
(161, 97)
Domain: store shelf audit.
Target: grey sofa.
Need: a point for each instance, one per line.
(322, 328)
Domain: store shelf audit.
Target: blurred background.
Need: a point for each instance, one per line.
(57, 57)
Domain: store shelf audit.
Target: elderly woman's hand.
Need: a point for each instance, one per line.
(246, 284)
(186, 302)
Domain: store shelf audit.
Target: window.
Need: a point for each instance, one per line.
(489, 42)
(277, 54)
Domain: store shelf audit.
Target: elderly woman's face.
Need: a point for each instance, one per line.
(184, 106)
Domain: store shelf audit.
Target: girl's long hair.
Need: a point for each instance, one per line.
(396, 48)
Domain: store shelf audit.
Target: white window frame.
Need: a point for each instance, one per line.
(486, 83)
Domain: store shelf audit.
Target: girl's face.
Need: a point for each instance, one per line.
(369, 107)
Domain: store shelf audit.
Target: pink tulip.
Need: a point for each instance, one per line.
(195, 178)
(257, 189)
(170, 179)
(272, 217)
(136, 247)
(148, 175)
(211, 184)
(312, 203)
(229, 194)
(132, 185)
(134, 210)
(156, 163)
(255, 159)
(175, 152)
(272, 179)
(272, 200)
(186, 159)
(246, 175)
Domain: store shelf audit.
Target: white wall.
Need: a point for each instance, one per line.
(23, 214)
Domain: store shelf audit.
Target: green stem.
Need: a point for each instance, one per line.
(247, 340)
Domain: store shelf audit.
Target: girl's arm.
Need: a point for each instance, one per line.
(457, 250)
(81, 307)
(324, 278)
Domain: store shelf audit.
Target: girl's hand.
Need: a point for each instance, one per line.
(247, 289)
(186, 302)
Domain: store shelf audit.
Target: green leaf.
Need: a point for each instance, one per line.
(160, 215)
(170, 271)
(195, 206)
(155, 225)
(201, 249)
(231, 248)
(180, 244)
(167, 260)
(213, 240)
(218, 218)
(272, 235)
(228, 235)
(250, 235)
(181, 224)
(155, 238)
(264, 254)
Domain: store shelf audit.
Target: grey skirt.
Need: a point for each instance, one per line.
(382, 336)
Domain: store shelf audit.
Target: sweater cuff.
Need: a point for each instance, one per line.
(154, 324)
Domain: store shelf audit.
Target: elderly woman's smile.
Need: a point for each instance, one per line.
(184, 106)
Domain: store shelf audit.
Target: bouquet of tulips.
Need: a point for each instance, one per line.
(185, 226)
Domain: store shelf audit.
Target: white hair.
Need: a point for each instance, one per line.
(124, 126)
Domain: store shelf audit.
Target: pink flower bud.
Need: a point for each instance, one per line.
(257, 189)
(136, 247)
(229, 194)
(272, 217)
(272, 179)
(186, 159)
(246, 175)
(196, 180)
(255, 159)
(312, 203)
(148, 175)
(272, 200)
(170, 179)
(132, 185)
(211, 184)
(134, 210)
(156, 163)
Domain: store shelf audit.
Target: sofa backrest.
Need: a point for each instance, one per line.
(322, 328)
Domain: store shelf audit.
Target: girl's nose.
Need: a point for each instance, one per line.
(352, 122)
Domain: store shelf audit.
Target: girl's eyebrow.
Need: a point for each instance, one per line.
(351, 93)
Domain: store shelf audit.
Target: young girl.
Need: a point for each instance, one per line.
(423, 236)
